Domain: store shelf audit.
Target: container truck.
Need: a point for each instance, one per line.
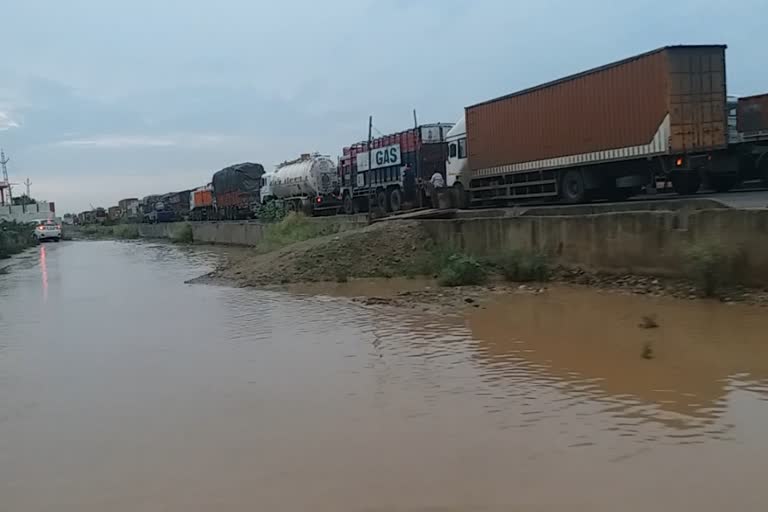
(401, 165)
(309, 184)
(236, 190)
(605, 133)
(201, 205)
(752, 133)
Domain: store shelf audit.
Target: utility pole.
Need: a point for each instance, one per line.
(28, 184)
(415, 120)
(3, 162)
(6, 184)
(370, 175)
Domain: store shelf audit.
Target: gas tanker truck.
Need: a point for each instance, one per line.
(309, 184)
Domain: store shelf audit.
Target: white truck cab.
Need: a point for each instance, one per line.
(457, 166)
(457, 153)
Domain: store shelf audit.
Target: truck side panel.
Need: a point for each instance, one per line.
(667, 100)
(609, 108)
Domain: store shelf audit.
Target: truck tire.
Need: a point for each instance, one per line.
(349, 205)
(686, 183)
(763, 170)
(395, 199)
(460, 199)
(723, 183)
(572, 188)
(381, 200)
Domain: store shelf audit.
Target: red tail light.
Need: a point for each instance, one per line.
(679, 162)
(319, 199)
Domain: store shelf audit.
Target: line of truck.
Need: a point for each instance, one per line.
(606, 133)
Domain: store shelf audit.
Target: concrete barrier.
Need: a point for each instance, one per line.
(247, 233)
(639, 242)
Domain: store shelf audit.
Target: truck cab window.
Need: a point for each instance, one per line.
(452, 151)
(462, 148)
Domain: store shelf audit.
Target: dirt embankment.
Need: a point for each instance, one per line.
(385, 249)
(405, 249)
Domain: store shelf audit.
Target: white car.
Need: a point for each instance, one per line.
(47, 230)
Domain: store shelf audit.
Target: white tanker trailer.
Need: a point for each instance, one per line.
(309, 184)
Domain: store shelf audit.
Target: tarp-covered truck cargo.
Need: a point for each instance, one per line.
(671, 101)
(236, 188)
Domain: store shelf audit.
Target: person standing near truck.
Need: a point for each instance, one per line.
(436, 183)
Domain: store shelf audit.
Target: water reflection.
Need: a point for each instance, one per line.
(588, 346)
(44, 272)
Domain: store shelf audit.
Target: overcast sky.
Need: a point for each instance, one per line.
(105, 99)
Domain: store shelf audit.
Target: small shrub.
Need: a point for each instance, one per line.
(295, 227)
(183, 235)
(708, 266)
(428, 263)
(273, 211)
(523, 266)
(462, 270)
(14, 238)
(126, 231)
(90, 229)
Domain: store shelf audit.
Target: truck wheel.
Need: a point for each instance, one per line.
(763, 170)
(349, 205)
(381, 200)
(572, 187)
(460, 199)
(723, 183)
(686, 183)
(395, 200)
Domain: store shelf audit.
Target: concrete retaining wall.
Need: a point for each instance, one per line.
(238, 233)
(641, 242)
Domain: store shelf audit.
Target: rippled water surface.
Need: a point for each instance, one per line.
(124, 389)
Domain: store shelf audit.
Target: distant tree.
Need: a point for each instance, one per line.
(23, 199)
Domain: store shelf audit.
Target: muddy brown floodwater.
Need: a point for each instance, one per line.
(124, 389)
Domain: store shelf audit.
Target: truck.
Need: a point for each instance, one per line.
(129, 208)
(309, 184)
(178, 203)
(201, 205)
(154, 210)
(752, 136)
(236, 190)
(401, 165)
(606, 133)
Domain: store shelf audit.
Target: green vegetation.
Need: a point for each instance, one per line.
(273, 211)
(295, 227)
(14, 238)
(462, 270)
(183, 235)
(126, 231)
(708, 266)
(524, 266)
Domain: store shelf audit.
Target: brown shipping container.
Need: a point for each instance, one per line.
(752, 115)
(671, 100)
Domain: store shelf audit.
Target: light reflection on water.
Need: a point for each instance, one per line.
(126, 389)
